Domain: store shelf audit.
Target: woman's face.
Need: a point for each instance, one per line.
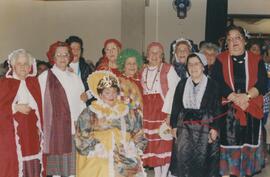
(61, 58)
(21, 67)
(155, 56)
(131, 67)
(111, 51)
(236, 43)
(255, 48)
(76, 51)
(210, 55)
(109, 95)
(195, 68)
(182, 52)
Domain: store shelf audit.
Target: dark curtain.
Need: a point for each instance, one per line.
(216, 19)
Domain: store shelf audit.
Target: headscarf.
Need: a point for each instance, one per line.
(155, 44)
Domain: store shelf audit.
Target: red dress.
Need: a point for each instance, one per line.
(158, 150)
(20, 137)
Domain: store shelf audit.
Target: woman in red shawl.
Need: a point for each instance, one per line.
(21, 136)
(112, 48)
(242, 79)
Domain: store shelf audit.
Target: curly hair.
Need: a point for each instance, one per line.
(127, 53)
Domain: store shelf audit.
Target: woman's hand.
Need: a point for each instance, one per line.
(212, 136)
(242, 101)
(168, 118)
(23, 108)
(174, 130)
(84, 97)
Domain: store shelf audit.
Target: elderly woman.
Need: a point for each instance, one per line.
(195, 107)
(61, 90)
(210, 51)
(242, 79)
(181, 49)
(20, 118)
(129, 63)
(112, 48)
(158, 81)
(79, 65)
(108, 140)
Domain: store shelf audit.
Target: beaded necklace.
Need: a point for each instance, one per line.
(155, 77)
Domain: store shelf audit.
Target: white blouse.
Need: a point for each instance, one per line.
(73, 87)
(152, 85)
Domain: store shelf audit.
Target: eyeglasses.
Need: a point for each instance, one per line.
(64, 55)
(237, 38)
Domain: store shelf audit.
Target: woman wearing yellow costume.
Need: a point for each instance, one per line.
(108, 140)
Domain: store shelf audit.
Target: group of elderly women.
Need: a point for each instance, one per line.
(174, 118)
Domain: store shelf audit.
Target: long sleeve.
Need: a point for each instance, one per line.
(177, 102)
(83, 140)
(173, 80)
(261, 83)
(217, 75)
(135, 126)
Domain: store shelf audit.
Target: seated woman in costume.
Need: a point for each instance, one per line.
(108, 139)
(21, 136)
(195, 107)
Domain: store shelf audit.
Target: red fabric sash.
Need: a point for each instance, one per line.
(104, 65)
(255, 104)
(57, 119)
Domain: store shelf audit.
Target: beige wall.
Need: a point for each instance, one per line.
(34, 25)
(163, 25)
(248, 7)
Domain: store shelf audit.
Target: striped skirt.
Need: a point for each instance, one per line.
(62, 165)
(158, 151)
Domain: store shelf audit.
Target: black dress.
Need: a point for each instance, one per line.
(192, 155)
(241, 152)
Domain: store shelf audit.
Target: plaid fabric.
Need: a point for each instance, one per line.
(31, 168)
(62, 165)
(266, 103)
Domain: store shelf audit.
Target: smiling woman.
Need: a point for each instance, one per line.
(196, 103)
(21, 107)
(62, 106)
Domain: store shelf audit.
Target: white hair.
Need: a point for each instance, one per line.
(13, 56)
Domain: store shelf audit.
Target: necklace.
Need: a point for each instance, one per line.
(155, 77)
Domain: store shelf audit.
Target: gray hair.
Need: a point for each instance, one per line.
(13, 56)
(209, 46)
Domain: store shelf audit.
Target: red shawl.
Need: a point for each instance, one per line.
(28, 140)
(104, 65)
(255, 104)
(57, 125)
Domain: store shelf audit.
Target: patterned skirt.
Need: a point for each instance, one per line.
(242, 151)
(62, 165)
(158, 151)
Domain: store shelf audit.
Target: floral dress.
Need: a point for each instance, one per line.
(109, 142)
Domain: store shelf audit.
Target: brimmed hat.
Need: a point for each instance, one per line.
(100, 80)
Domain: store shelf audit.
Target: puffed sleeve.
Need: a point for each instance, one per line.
(173, 80)
(84, 140)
